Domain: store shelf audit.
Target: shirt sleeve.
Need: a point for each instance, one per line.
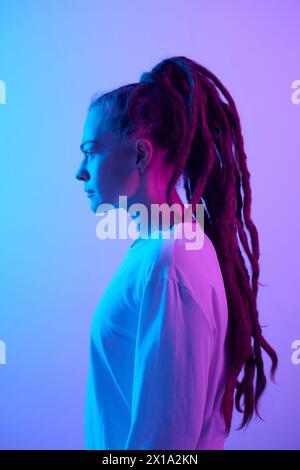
(173, 352)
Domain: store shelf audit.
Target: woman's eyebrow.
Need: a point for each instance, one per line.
(87, 142)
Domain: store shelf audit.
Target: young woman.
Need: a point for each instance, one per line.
(176, 338)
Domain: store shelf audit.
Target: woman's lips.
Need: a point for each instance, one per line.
(90, 193)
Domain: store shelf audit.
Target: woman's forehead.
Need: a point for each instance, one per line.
(95, 126)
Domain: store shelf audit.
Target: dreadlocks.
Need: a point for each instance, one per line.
(186, 110)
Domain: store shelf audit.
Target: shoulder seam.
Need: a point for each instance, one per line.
(172, 278)
(212, 326)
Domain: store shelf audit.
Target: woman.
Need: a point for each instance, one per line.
(175, 327)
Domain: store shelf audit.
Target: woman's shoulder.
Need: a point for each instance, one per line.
(183, 253)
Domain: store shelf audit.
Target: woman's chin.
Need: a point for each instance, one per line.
(94, 205)
(97, 207)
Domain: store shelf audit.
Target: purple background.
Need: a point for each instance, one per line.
(53, 57)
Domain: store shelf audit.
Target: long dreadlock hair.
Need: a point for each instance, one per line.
(185, 109)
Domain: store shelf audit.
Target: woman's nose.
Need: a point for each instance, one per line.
(82, 174)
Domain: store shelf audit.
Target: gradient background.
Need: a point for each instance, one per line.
(53, 57)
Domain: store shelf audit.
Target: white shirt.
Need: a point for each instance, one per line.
(157, 360)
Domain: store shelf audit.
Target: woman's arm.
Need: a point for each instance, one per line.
(172, 359)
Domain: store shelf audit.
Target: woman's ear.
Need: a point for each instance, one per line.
(144, 152)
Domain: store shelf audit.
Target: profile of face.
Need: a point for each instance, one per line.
(108, 168)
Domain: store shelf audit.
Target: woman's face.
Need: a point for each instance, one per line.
(108, 166)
